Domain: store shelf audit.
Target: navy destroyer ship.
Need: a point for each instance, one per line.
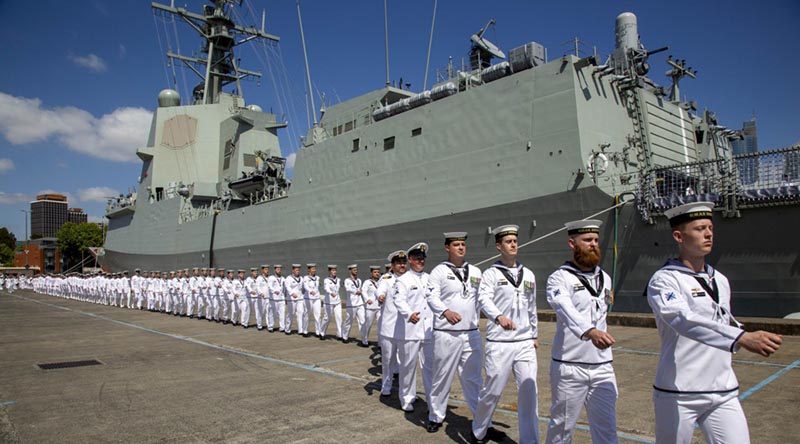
(503, 139)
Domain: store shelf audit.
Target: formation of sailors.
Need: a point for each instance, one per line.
(432, 319)
(11, 282)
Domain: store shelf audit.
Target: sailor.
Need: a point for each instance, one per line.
(261, 301)
(457, 343)
(581, 374)
(241, 294)
(333, 303)
(170, 292)
(312, 300)
(354, 303)
(277, 305)
(231, 297)
(176, 292)
(202, 293)
(413, 326)
(150, 290)
(211, 294)
(387, 323)
(186, 292)
(369, 290)
(694, 381)
(295, 307)
(251, 294)
(194, 289)
(508, 295)
(219, 294)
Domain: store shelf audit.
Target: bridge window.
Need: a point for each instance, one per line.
(388, 143)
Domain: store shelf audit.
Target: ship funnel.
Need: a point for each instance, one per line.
(627, 31)
(169, 97)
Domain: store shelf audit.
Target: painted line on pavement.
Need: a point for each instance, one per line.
(312, 368)
(758, 387)
(7, 403)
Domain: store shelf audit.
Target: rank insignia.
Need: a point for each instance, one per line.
(528, 285)
(502, 282)
(475, 280)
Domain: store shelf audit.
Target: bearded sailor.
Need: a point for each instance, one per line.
(277, 304)
(261, 302)
(355, 303)
(333, 302)
(581, 374)
(295, 307)
(312, 300)
(369, 290)
(695, 382)
(508, 292)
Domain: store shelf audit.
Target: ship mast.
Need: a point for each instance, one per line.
(221, 35)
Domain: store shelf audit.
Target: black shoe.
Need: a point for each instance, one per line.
(495, 435)
(385, 396)
(363, 345)
(270, 330)
(433, 427)
(259, 328)
(476, 440)
(245, 326)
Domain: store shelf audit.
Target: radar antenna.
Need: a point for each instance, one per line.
(678, 71)
(482, 51)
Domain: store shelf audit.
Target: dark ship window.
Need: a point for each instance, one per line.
(335, 133)
(339, 129)
(388, 143)
(416, 132)
(348, 126)
(355, 145)
(249, 160)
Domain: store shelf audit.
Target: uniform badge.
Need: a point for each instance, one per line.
(528, 285)
(413, 288)
(502, 282)
(474, 280)
(578, 287)
(609, 297)
(671, 296)
(452, 278)
(698, 293)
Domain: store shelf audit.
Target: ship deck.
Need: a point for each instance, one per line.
(171, 379)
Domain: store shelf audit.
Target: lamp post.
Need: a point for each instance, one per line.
(27, 246)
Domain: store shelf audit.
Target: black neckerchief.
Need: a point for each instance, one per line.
(584, 282)
(356, 282)
(464, 279)
(712, 291)
(297, 280)
(508, 276)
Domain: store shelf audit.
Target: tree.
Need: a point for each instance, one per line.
(8, 243)
(74, 239)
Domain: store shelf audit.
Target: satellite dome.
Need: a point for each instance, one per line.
(255, 108)
(169, 97)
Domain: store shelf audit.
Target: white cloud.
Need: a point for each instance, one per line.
(114, 136)
(6, 165)
(123, 51)
(90, 61)
(14, 198)
(290, 161)
(96, 194)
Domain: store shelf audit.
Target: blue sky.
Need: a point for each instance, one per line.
(80, 78)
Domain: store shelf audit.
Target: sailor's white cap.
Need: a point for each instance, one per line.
(137, 270)
(583, 226)
(221, 269)
(505, 230)
(387, 265)
(375, 267)
(455, 236)
(295, 265)
(399, 254)
(253, 269)
(332, 266)
(418, 248)
(311, 264)
(277, 266)
(690, 211)
(240, 271)
(264, 265)
(351, 266)
(195, 269)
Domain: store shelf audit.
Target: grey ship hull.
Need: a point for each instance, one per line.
(764, 269)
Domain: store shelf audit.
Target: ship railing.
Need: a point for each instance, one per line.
(765, 178)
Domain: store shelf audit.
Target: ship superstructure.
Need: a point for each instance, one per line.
(526, 140)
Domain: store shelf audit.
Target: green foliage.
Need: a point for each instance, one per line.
(8, 238)
(6, 256)
(74, 239)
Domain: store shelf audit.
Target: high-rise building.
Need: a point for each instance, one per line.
(48, 214)
(77, 216)
(748, 167)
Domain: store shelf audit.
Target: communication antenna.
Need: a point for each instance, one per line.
(430, 43)
(482, 49)
(308, 70)
(386, 37)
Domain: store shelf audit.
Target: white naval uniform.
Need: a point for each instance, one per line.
(240, 293)
(250, 295)
(458, 347)
(409, 295)
(211, 294)
(580, 373)
(369, 291)
(194, 289)
(277, 305)
(333, 305)
(231, 306)
(261, 301)
(506, 350)
(355, 306)
(694, 380)
(219, 297)
(295, 306)
(390, 358)
(311, 298)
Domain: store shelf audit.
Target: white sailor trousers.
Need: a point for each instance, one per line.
(276, 307)
(299, 312)
(389, 362)
(260, 308)
(500, 359)
(314, 307)
(574, 386)
(234, 309)
(719, 416)
(333, 311)
(356, 313)
(454, 351)
(244, 310)
(370, 316)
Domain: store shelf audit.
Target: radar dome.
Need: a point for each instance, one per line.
(255, 108)
(169, 97)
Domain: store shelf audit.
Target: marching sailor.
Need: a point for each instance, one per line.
(333, 303)
(581, 374)
(230, 296)
(413, 326)
(277, 305)
(695, 382)
(312, 300)
(355, 303)
(251, 294)
(457, 343)
(261, 302)
(388, 321)
(508, 293)
(194, 288)
(369, 290)
(295, 307)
